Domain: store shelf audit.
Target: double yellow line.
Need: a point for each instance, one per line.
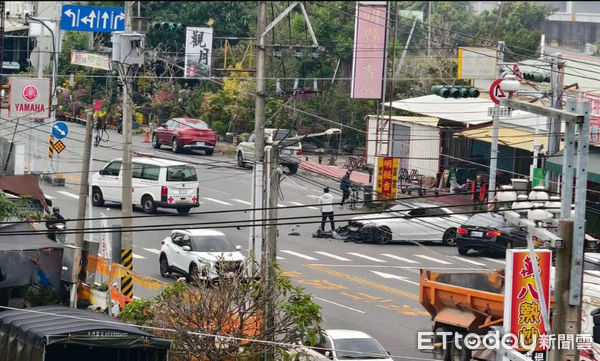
(364, 281)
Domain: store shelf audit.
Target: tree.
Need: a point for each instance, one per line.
(231, 307)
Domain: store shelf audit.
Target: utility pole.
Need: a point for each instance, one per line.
(126, 221)
(258, 194)
(496, 125)
(557, 79)
(429, 28)
(270, 253)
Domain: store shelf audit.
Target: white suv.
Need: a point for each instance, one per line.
(289, 155)
(155, 182)
(200, 254)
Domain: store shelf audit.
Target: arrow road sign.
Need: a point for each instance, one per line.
(60, 130)
(99, 19)
(400, 278)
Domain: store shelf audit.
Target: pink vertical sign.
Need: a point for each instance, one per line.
(369, 49)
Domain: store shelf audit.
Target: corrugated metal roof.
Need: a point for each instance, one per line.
(470, 111)
(429, 121)
(510, 137)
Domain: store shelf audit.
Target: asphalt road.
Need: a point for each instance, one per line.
(369, 287)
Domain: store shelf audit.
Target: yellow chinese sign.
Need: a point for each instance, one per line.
(387, 177)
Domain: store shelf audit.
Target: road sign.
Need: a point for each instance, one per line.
(60, 130)
(29, 98)
(495, 92)
(98, 19)
(59, 146)
(90, 60)
(499, 112)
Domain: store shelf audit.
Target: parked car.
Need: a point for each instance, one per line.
(489, 233)
(405, 221)
(156, 183)
(350, 345)
(289, 152)
(201, 254)
(185, 133)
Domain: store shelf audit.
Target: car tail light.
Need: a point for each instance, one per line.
(298, 152)
(462, 231)
(164, 191)
(492, 234)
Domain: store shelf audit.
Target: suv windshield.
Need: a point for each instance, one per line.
(212, 244)
(358, 348)
(283, 133)
(181, 173)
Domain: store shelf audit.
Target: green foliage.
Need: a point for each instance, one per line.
(137, 311)
(17, 209)
(39, 296)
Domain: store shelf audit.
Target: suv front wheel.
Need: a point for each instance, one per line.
(240, 160)
(293, 168)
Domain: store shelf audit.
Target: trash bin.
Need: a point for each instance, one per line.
(368, 195)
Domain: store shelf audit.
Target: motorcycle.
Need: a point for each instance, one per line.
(56, 231)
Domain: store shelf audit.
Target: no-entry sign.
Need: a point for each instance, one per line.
(29, 98)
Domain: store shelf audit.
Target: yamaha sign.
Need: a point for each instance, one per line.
(29, 98)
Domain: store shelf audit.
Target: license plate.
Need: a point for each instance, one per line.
(200, 143)
(353, 228)
(477, 234)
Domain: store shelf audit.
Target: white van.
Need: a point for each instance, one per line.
(156, 183)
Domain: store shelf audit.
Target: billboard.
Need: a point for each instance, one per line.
(477, 63)
(90, 60)
(29, 98)
(198, 51)
(522, 312)
(594, 100)
(368, 61)
(387, 177)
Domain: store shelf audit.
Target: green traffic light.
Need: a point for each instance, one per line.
(441, 91)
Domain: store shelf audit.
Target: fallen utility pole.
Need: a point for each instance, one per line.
(126, 201)
(83, 194)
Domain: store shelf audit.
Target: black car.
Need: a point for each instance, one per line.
(489, 233)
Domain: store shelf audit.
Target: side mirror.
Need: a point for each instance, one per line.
(186, 248)
(238, 248)
(328, 354)
(102, 172)
(163, 125)
(389, 353)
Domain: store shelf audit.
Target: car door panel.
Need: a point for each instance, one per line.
(111, 182)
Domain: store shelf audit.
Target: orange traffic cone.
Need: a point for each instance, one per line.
(147, 137)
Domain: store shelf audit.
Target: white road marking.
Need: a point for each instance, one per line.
(399, 258)
(302, 204)
(280, 258)
(312, 196)
(299, 255)
(217, 201)
(400, 278)
(494, 260)
(137, 256)
(432, 259)
(367, 257)
(280, 205)
(75, 196)
(152, 250)
(470, 261)
(50, 197)
(242, 202)
(332, 256)
(339, 305)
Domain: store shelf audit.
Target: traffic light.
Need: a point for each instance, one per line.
(455, 91)
(536, 77)
(168, 26)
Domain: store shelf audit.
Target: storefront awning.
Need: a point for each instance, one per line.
(509, 137)
(554, 164)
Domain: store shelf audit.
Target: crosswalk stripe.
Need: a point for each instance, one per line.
(302, 204)
(152, 250)
(399, 258)
(494, 260)
(312, 196)
(299, 255)
(75, 196)
(332, 256)
(242, 202)
(137, 256)
(470, 261)
(280, 258)
(49, 196)
(217, 201)
(367, 257)
(432, 259)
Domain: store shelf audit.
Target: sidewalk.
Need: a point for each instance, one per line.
(333, 171)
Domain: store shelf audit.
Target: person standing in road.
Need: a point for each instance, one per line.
(345, 186)
(326, 203)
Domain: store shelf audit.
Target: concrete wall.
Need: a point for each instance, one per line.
(16, 163)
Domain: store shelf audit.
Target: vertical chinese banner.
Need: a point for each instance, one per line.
(368, 62)
(522, 312)
(395, 163)
(594, 100)
(379, 177)
(385, 177)
(198, 51)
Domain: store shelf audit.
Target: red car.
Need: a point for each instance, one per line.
(185, 133)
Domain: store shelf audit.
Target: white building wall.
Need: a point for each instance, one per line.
(424, 149)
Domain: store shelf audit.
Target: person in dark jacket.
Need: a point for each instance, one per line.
(345, 186)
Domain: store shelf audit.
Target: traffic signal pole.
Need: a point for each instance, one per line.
(496, 126)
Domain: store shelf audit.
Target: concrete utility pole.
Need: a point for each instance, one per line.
(258, 194)
(557, 79)
(496, 126)
(270, 252)
(429, 28)
(83, 185)
(126, 221)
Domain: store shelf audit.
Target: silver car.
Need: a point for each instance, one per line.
(290, 150)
